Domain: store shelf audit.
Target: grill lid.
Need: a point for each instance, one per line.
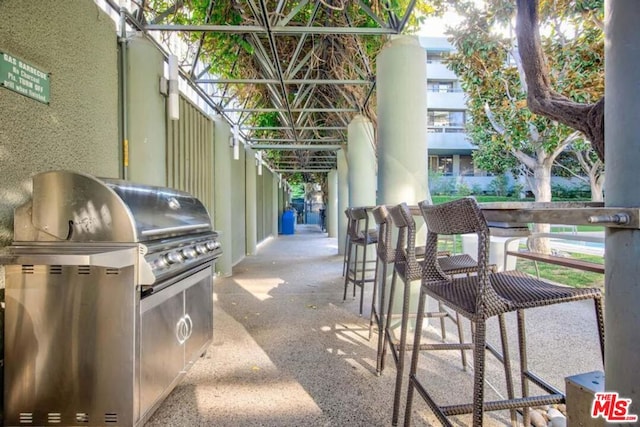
(77, 207)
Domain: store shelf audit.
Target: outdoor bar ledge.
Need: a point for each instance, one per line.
(572, 213)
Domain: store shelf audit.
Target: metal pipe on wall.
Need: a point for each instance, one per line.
(124, 140)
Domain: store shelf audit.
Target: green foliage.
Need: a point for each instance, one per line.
(504, 129)
(567, 276)
(464, 190)
(297, 190)
(570, 192)
(440, 184)
(500, 185)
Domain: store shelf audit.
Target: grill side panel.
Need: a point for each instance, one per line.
(70, 345)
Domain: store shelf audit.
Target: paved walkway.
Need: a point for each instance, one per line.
(287, 351)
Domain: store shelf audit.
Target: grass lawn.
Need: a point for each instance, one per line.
(564, 275)
(554, 273)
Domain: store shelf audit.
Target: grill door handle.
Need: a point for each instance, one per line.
(189, 323)
(182, 330)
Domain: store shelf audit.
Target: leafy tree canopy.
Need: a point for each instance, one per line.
(488, 63)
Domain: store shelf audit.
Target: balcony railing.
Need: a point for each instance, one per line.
(445, 129)
(443, 90)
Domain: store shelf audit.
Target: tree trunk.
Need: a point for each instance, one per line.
(597, 184)
(541, 98)
(542, 193)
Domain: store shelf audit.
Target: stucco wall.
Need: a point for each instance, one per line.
(75, 42)
(238, 207)
(147, 133)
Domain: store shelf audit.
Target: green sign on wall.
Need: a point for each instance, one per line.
(23, 78)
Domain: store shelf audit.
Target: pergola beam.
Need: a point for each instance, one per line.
(296, 147)
(299, 128)
(293, 110)
(277, 30)
(303, 170)
(287, 81)
(323, 141)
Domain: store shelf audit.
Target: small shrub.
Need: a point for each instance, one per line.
(441, 185)
(499, 186)
(464, 190)
(517, 189)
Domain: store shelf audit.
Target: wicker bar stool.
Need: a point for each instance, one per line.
(478, 298)
(347, 244)
(408, 268)
(360, 236)
(386, 254)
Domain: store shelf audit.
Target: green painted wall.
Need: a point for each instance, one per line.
(78, 130)
(147, 114)
(238, 215)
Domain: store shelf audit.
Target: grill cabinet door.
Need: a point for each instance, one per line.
(171, 330)
(161, 352)
(199, 309)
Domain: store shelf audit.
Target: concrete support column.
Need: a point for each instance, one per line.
(250, 202)
(402, 122)
(622, 154)
(456, 165)
(332, 205)
(222, 216)
(402, 132)
(343, 198)
(362, 162)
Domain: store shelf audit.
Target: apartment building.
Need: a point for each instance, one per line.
(448, 146)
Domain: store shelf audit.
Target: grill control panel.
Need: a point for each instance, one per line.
(168, 260)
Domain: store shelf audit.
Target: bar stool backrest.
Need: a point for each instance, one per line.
(385, 249)
(461, 216)
(406, 243)
(352, 226)
(361, 223)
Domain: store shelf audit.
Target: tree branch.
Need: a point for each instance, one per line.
(541, 98)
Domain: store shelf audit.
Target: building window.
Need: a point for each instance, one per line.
(440, 87)
(435, 57)
(466, 166)
(441, 164)
(445, 118)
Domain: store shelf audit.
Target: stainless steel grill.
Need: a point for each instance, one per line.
(108, 300)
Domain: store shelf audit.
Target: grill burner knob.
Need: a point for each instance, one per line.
(173, 258)
(160, 262)
(189, 253)
(212, 245)
(201, 248)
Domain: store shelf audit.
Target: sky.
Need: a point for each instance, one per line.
(435, 27)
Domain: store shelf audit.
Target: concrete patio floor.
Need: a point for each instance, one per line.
(287, 351)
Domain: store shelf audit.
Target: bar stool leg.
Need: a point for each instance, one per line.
(362, 276)
(506, 361)
(348, 269)
(478, 375)
(402, 348)
(381, 319)
(463, 354)
(374, 315)
(388, 315)
(347, 244)
(414, 358)
(355, 270)
(443, 331)
(522, 340)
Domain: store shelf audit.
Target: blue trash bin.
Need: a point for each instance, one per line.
(288, 222)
